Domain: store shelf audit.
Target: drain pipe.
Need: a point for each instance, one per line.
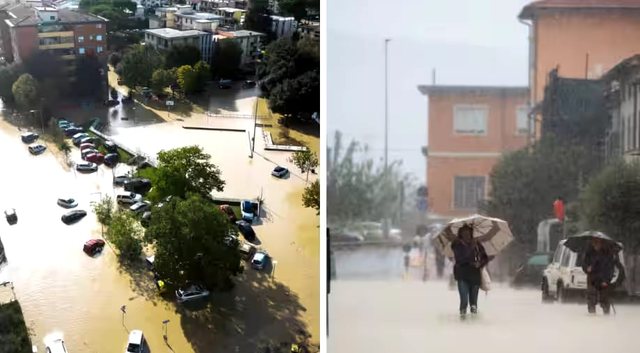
(532, 123)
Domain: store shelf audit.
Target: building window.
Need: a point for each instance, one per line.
(99, 25)
(468, 191)
(81, 50)
(99, 38)
(99, 49)
(52, 18)
(80, 39)
(522, 120)
(91, 37)
(471, 120)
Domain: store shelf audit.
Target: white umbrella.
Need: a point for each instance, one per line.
(493, 233)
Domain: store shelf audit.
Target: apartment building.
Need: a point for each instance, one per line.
(283, 26)
(183, 17)
(309, 29)
(250, 42)
(469, 129)
(166, 38)
(63, 32)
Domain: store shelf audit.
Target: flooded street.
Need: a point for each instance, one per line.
(62, 290)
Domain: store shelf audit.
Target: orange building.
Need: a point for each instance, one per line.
(582, 38)
(469, 129)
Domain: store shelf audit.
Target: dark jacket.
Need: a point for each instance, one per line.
(466, 256)
(603, 264)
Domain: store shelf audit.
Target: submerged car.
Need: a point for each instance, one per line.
(259, 261)
(191, 292)
(37, 149)
(111, 159)
(93, 246)
(56, 346)
(73, 216)
(135, 343)
(86, 167)
(67, 203)
(279, 172)
(247, 210)
(12, 217)
(29, 137)
(246, 230)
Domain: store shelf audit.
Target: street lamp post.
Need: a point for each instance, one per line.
(386, 128)
(273, 271)
(255, 114)
(164, 330)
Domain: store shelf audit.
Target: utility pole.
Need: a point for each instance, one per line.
(255, 115)
(385, 224)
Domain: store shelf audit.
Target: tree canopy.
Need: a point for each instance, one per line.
(181, 55)
(189, 240)
(125, 234)
(139, 64)
(311, 196)
(299, 9)
(258, 16)
(26, 91)
(305, 160)
(226, 59)
(161, 79)
(182, 171)
(8, 75)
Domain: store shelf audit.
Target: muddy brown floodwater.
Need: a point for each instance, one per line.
(63, 291)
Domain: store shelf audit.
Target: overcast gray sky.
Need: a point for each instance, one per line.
(468, 42)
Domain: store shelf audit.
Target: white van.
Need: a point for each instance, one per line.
(564, 278)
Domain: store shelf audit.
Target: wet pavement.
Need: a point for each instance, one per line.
(373, 307)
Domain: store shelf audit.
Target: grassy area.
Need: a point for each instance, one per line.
(234, 207)
(124, 155)
(14, 336)
(297, 134)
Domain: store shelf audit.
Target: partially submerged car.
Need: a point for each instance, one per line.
(11, 216)
(93, 246)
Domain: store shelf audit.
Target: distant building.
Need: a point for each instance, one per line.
(583, 39)
(232, 16)
(183, 17)
(208, 5)
(167, 38)
(470, 127)
(63, 32)
(250, 42)
(309, 29)
(283, 26)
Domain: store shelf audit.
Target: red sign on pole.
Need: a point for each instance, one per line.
(558, 209)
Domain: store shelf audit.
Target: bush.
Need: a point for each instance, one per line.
(14, 336)
(126, 235)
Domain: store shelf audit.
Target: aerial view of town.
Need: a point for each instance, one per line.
(164, 188)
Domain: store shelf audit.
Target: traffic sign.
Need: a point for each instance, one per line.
(170, 103)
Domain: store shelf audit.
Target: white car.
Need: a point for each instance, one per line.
(67, 203)
(57, 346)
(136, 342)
(37, 149)
(259, 260)
(128, 198)
(191, 292)
(246, 207)
(564, 278)
(140, 207)
(87, 167)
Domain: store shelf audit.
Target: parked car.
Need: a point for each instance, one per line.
(87, 139)
(530, 271)
(12, 217)
(259, 261)
(111, 103)
(247, 250)
(137, 185)
(77, 137)
(248, 84)
(346, 237)
(93, 246)
(145, 220)
(191, 292)
(72, 130)
(225, 84)
(247, 209)
(29, 137)
(87, 152)
(87, 167)
(63, 122)
(166, 200)
(231, 241)
(279, 172)
(128, 198)
(97, 158)
(564, 278)
(245, 229)
(120, 179)
(67, 203)
(136, 342)
(111, 159)
(85, 146)
(229, 212)
(37, 149)
(73, 216)
(110, 146)
(56, 346)
(140, 207)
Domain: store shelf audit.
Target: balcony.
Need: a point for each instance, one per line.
(57, 43)
(64, 34)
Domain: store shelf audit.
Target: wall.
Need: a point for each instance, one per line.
(90, 31)
(25, 42)
(564, 39)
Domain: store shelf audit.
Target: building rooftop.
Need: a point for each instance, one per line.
(623, 67)
(230, 9)
(200, 16)
(245, 33)
(170, 33)
(528, 12)
(25, 16)
(458, 90)
(281, 18)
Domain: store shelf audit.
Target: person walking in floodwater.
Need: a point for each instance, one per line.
(470, 256)
(600, 262)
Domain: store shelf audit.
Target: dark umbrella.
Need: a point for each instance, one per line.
(580, 243)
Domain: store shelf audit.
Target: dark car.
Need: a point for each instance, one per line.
(248, 84)
(121, 179)
(111, 146)
(246, 230)
(224, 84)
(73, 216)
(29, 137)
(12, 217)
(137, 185)
(280, 172)
(70, 131)
(77, 137)
(95, 158)
(93, 246)
(530, 273)
(111, 160)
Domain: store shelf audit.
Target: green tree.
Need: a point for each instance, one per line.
(115, 58)
(25, 90)
(203, 74)
(305, 160)
(311, 196)
(181, 55)
(189, 241)
(104, 210)
(258, 16)
(182, 171)
(299, 9)
(187, 79)
(226, 59)
(125, 234)
(139, 64)
(297, 96)
(162, 79)
(8, 75)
